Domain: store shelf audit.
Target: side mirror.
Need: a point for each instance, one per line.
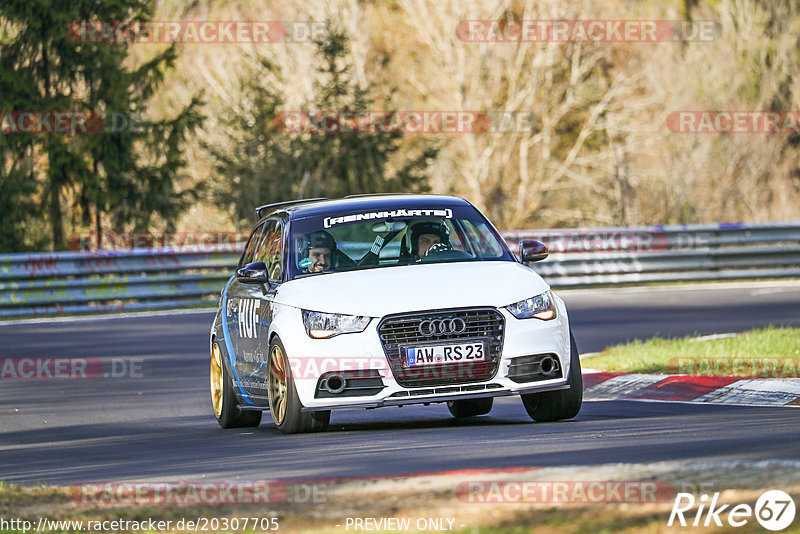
(254, 273)
(531, 250)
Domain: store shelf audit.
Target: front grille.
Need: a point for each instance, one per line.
(403, 330)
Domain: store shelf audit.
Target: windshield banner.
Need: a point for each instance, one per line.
(447, 213)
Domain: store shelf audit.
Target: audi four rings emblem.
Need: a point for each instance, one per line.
(442, 327)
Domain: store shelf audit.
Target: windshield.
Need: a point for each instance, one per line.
(386, 238)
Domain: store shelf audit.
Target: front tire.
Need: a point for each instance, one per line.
(284, 404)
(563, 404)
(223, 400)
(470, 407)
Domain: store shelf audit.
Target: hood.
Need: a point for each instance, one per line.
(382, 291)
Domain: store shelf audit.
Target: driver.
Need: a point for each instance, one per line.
(425, 235)
(317, 252)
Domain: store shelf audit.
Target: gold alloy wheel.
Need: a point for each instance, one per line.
(277, 385)
(216, 379)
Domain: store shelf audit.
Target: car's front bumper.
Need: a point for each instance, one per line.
(311, 358)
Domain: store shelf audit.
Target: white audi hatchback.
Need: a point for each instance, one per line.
(387, 300)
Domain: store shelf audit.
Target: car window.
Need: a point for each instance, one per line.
(457, 238)
(390, 252)
(270, 248)
(250, 248)
(363, 239)
(478, 236)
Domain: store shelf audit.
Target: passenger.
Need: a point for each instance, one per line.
(319, 248)
(318, 253)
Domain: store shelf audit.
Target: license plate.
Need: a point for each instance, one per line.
(444, 354)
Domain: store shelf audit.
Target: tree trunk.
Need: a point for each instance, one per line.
(97, 207)
(56, 220)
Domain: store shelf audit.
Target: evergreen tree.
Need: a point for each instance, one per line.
(265, 164)
(131, 174)
(17, 179)
(39, 73)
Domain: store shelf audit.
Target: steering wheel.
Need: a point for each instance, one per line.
(438, 248)
(443, 252)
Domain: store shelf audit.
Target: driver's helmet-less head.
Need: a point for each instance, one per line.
(427, 228)
(320, 239)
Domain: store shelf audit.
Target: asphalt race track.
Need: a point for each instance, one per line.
(159, 427)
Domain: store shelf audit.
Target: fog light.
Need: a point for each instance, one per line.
(335, 384)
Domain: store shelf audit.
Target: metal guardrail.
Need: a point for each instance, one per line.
(674, 253)
(78, 282)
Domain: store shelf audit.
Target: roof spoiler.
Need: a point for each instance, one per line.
(374, 195)
(263, 210)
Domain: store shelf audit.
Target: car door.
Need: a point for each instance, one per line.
(238, 321)
(257, 309)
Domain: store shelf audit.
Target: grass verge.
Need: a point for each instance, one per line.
(772, 352)
(419, 501)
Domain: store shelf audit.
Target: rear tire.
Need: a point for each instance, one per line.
(563, 404)
(223, 399)
(284, 404)
(470, 407)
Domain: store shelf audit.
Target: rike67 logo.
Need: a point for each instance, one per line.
(774, 510)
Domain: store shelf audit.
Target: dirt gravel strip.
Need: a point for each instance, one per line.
(612, 497)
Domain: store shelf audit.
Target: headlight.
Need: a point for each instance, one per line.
(323, 325)
(540, 306)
